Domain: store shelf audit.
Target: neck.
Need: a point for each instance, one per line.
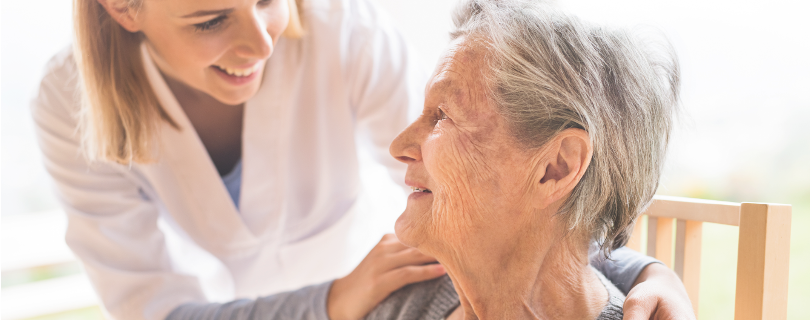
(535, 275)
(190, 98)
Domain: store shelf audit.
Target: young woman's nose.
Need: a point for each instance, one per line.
(254, 39)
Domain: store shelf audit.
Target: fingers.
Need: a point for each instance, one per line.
(661, 296)
(393, 254)
(390, 238)
(388, 244)
(400, 277)
(639, 306)
(398, 265)
(409, 256)
(388, 267)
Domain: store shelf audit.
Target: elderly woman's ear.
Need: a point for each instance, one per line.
(561, 164)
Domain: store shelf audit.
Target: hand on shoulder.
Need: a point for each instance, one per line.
(658, 295)
(389, 266)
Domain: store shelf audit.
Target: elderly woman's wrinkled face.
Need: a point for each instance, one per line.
(470, 178)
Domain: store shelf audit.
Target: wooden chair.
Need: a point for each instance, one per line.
(763, 250)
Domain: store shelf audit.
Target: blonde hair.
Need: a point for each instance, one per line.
(120, 113)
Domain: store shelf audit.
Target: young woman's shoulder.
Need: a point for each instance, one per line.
(62, 67)
(58, 93)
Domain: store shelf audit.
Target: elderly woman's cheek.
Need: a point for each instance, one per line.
(449, 151)
(456, 210)
(450, 224)
(478, 166)
(444, 163)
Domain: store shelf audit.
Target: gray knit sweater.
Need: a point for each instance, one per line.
(435, 299)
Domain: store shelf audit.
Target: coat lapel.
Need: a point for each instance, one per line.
(265, 146)
(188, 182)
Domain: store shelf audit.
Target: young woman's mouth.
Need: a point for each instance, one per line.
(238, 76)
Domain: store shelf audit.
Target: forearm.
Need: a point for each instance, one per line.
(624, 268)
(658, 293)
(652, 289)
(656, 271)
(307, 303)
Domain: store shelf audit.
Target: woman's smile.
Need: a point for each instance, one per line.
(239, 76)
(420, 194)
(418, 190)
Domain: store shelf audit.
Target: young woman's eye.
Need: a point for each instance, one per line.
(210, 24)
(264, 3)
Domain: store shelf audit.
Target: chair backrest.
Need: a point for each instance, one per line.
(763, 250)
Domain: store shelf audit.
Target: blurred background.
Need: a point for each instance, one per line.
(743, 135)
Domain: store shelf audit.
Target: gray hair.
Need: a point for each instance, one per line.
(548, 71)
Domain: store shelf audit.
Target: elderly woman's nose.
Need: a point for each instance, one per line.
(254, 39)
(407, 147)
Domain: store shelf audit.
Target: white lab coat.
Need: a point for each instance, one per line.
(137, 228)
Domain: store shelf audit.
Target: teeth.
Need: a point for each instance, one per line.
(240, 72)
(420, 190)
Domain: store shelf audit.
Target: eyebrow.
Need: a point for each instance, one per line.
(203, 13)
(457, 95)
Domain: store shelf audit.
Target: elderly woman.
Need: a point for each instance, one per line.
(540, 134)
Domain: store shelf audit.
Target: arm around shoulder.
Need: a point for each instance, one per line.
(653, 290)
(308, 303)
(113, 226)
(623, 268)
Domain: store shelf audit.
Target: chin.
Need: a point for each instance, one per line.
(235, 96)
(235, 99)
(404, 231)
(410, 227)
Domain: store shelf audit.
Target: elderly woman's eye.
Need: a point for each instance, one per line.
(442, 115)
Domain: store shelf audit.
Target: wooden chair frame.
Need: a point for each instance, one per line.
(763, 249)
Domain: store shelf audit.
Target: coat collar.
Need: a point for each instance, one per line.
(207, 212)
(265, 149)
(187, 181)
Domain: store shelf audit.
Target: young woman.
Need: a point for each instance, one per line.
(206, 150)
